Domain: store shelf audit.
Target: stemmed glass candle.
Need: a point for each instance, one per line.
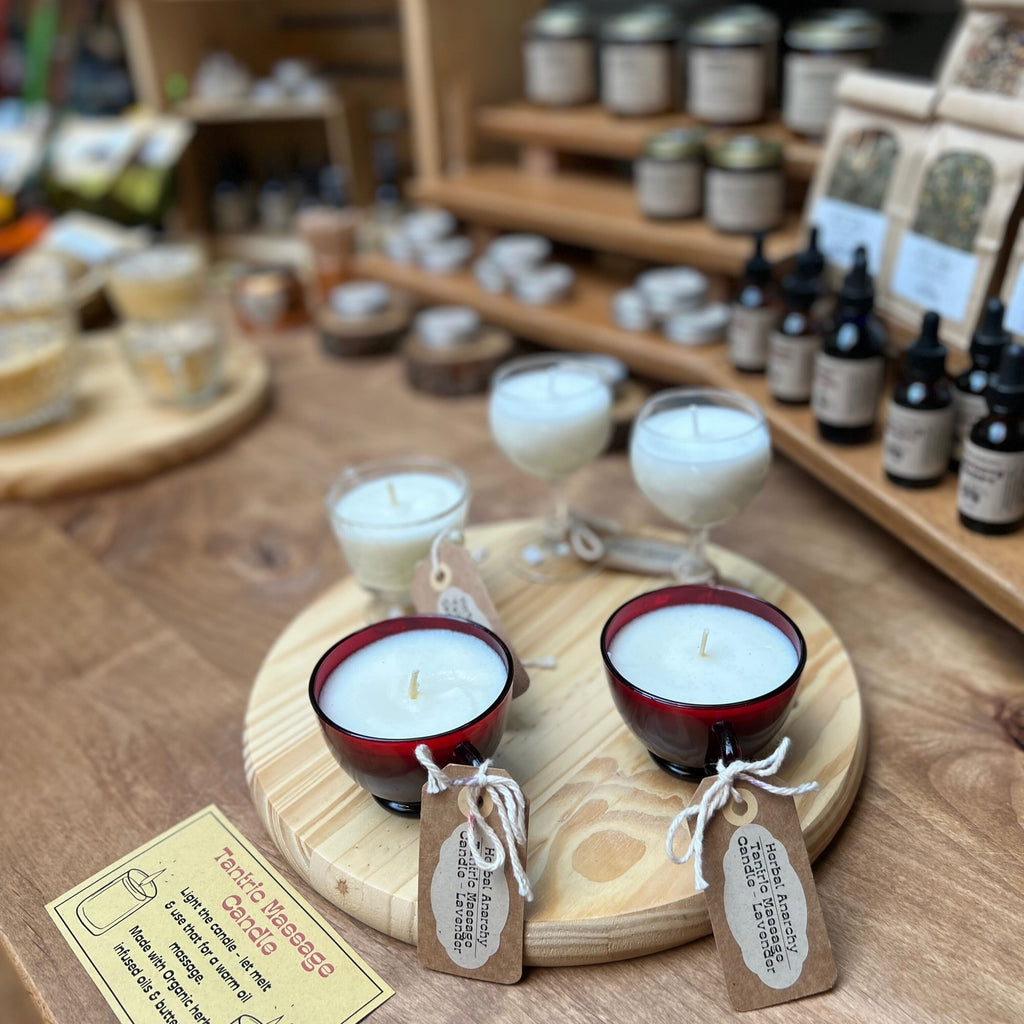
(700, 672)
(551, 415)
(385, 515)
(385, 689)
(699, 456)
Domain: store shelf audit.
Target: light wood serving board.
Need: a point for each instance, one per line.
(116, 434)
(600, 808)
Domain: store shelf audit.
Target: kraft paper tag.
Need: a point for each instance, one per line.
(195, 927)
(762, 902)
(459, 590)
(470, 922)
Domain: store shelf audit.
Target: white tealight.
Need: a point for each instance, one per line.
(704, 326)
(385, 526)
(518, 253)
(445, 256)
(551, 422)
(550, 283)
(671, 289)
(447, 326)
(744, 657)
(427, 225)
(490, 276)
(373, 693)
(360, 299)
(700, 464)
(630, 310)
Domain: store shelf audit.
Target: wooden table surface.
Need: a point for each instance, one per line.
(132, 622)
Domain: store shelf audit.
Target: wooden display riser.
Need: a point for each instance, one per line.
(991, 568)
(595, 211)
(116, 434)
(592, 131)
(599, 808)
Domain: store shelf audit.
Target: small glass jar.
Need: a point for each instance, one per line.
(726, 69)
(176, 362)
(820, 48)
(744, 187)
(669, 176)
(157, 283)
(38, 351)
(639, 65)
(558, 57)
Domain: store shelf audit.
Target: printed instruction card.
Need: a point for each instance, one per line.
(195, 927)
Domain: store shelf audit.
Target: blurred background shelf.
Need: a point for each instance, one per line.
(226, 112)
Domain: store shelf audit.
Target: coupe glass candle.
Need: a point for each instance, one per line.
(700, 673)
(385, 515)
(550, 415)
(699, 455)
(385, 689)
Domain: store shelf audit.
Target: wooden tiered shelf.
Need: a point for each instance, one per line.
(592, 131)
(595, 211)
(991, 568)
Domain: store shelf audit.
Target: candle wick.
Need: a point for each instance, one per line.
(149, 878)
(696, 421)
(414, 685)
(704, 643)
(392, 493)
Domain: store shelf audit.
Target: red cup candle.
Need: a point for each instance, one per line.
(385, 689)
(700, 673)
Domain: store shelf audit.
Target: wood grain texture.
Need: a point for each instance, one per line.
(600, 809)
(991, 568)
(117, 434)
(599, 212)
(134, 620)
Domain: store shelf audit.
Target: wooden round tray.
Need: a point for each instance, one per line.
(604, 889)
(116, 434)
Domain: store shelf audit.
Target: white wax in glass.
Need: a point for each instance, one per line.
(700, 464)
(386, 525)
(459, 678)
(745, 656)
(551, 422)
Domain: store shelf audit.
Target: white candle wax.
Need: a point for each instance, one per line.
(745, 656)
(386, 525)
(458, 678)
(700, 464)
(551, 422)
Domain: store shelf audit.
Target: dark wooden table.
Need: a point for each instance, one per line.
(133, 621)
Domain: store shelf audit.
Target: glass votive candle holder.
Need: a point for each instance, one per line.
(386, 513)
(700, 673)
(161, 282)
(385, 689)
(176, 362)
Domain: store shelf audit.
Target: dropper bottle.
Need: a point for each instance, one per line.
(919, 424)
(794, 344)
(990, 495)
(755, 312)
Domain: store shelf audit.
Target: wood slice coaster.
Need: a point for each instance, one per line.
(600, 809)
(116, 434)
(371, 336)
(460, 370)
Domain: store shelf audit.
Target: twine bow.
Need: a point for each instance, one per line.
(717, 797)
(511, 805)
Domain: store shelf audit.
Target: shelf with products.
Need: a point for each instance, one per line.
(235, 111)
(991, 568)
(592, 131)
(594, 211)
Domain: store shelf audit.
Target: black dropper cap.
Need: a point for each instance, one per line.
(758, 269)
(1006, 392)
(990, 338)
(858, 290)
(927, 356)
(811, 260)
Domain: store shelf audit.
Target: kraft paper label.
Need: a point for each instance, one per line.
(991, 485)
(744, 200)
(636, 78)
(196, 927)
(726, 84)
(748, 333)
(763, 905)
(917, 441)
(843, 226)
(846, 391)
(935, 276)
(791, 365)
(669, 188)
(559, 71)
(809, 88)
(968, 408)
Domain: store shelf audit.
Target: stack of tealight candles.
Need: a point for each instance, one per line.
(519, 264)
(675, 300)
(427, 238)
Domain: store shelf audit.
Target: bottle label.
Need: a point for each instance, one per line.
(636, 79)
(991, 485)
(917, 441)
(748, 335)
(1014, 319)
(935, 276)
(669, 188)
(845, 392)
(791, 366)
(744, 200)
(968, 408)
(809, 88)
(842, 226)
(726, 84)
(559, 71)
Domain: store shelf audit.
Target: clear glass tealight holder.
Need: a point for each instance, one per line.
(699, 456)
(386, 514)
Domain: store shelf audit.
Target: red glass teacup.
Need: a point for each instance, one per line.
(687, 740)
(388, 768)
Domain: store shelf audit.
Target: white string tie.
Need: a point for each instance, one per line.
(437, 568)
(717, 797)
(585, 541)
(511, 805)
(549, 662)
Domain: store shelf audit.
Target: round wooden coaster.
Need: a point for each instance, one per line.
(599, 808)
(372, 336)
(116, 434)
(460, 370)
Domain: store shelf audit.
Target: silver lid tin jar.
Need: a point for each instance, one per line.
(744, 187)
(726, 74)
(669, 177)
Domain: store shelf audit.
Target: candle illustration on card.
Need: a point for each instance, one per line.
(111, 903)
